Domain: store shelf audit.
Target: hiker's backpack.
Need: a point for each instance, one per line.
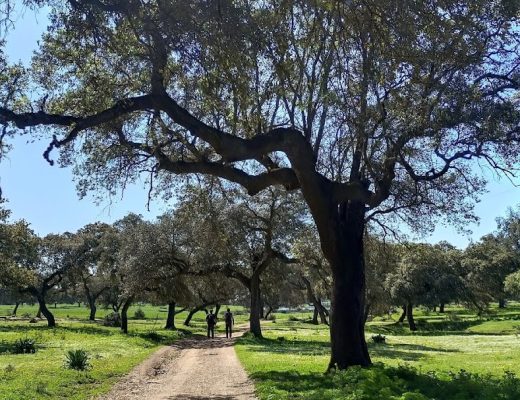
(229, 317)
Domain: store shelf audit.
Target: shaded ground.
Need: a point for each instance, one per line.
(192, 369)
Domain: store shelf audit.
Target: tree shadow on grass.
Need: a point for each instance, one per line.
(295, 382)
(90, 330)
(380, 382)
(435, 328)
(23, 328)
(283, 345)
(403, 352)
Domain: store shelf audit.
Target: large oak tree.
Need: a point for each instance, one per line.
(370, 108)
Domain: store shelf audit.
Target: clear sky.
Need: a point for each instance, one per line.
(46, 197)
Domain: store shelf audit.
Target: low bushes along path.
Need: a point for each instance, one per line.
(191, 369)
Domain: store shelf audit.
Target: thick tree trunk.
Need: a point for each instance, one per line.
(367, 312)
(315, 316)
(93, 309)
(192, 313)
(92, 305)
(51, 322)
(254, 316)
(269, 311)
(217, 309)
(441, 308)
(124, 314)
(434, 309)
(344, 250)
(15, 309)
(409, 315)
(261, 301)
(170, 320)
(403, 315)
(322, 311)
(501, 303)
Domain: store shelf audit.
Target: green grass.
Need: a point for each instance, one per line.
(290, 361)
(43, 375)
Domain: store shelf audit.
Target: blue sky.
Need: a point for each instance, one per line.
(46, 197)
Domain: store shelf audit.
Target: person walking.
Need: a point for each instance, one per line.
(230, 321)
(211, 320)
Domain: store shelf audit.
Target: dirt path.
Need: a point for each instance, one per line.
(191, 369)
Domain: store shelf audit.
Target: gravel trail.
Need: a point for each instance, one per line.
(191, 369)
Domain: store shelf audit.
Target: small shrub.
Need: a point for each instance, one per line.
(41, 388)
(9, 368)
(280, 339)
(139, 314)
(77, 359)
(24, 346)
(293, 319)
(379, 338)
(271, 317)
(153, 336)
(452, 317)
(112, 319)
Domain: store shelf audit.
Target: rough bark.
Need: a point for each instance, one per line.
(51, 322)
(367, 312)
(409, 316)
(269, 311)
(403, 315)
(254, 316)
(192, 312)
(344, 250)
(319, 309)
(315, 316)
(124, 314)
(170, 320)
(261, 300)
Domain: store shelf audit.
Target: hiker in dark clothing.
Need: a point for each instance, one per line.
(211, 320)
(230, 321)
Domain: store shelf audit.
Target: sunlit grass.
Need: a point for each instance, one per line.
(112, 354)
(290, 362)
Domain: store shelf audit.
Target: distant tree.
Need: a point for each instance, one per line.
(314, 272)
(512, 285)
(153, 263)
(380, 259)
(426, 275)
(55, 256)
(91, 274)
(239, 237)
(487, 263)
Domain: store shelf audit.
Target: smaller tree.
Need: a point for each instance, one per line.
(486, 264)
(512, 285)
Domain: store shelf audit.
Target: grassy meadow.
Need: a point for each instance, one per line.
(453, 356)
(43, 375)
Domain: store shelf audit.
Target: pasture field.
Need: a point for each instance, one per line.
(42, 375)
(453, 356)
